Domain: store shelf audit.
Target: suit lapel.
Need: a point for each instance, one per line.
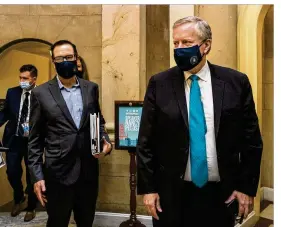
(179, 90)
(17, 101)
(84, 91)
(218, 92)
(56, 93)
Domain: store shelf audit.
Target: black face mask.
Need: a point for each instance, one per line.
(187, 58)
(66, 69)
(80, 74)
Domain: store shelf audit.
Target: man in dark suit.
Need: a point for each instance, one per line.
(60, 113)
(199, 145)
(16, 112)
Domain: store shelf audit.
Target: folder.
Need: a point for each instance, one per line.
(2, 160)
(95, 133)
(3, 149)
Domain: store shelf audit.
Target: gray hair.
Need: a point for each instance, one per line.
(202, 27)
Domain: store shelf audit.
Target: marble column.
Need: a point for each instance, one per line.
(223, 22)
(123, 78)
(121, 39)
(268, 104)
(157, 39)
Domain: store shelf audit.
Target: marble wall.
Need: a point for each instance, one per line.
(120, 55)
(81, 24)
(123, 74)
(223, 22)
(267, 168)
(157, 39)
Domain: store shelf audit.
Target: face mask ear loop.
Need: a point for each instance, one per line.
(201, 45)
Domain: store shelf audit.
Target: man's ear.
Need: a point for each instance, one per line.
(208, 44)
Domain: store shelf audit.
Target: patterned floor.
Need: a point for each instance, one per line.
(102, 220)
(41, 217)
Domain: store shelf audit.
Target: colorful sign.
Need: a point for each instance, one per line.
(127, 124)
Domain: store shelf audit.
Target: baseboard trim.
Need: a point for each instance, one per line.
(249, 222)
(122, 215)
(267, 194)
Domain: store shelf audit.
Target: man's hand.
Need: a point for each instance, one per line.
(245, 202)
(40, 189)
(106, 149)
(152, 202)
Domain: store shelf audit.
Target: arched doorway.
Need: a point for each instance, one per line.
(19, 52)
(12, 56)
(250, 59)
(268, 84)
(267, 167)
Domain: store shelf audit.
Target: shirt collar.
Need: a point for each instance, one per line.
(61, 86)
(25, 91)
(202, 74)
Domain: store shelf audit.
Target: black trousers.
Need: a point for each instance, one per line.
(194, 207)
(18, 151)
(62, 199)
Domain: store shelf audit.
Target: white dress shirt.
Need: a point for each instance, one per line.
(207, 100)
(21, 104)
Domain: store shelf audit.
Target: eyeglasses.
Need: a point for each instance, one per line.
(60, 59)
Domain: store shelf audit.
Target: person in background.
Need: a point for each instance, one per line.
(82, 68)
(16, 113)
(60, 126)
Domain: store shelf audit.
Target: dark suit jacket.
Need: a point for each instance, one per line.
(67, 148)
(10, 113)
(163, 147)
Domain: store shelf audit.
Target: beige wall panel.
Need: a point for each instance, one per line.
(29, 25)
(51, 27)
(267, 168)
(223, 22)
(120, 55)
(268, 70)
(14, 9)
(268, 96)
(71, 10)
(92, 57)
(10, 27)
(83, 31)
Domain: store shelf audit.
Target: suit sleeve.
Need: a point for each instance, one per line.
(36, 140)
(145, 151)
(4, 113)
(250, 156)
(102, 121)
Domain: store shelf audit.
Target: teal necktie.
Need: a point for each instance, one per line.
(197, 131)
